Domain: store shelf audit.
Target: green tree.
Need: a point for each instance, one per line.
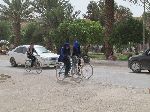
(95, 12)
(121, 13)
(16, 11)
(128, 31)
(52, 13)
(5, 30)
(32, 32)
(86, 31)
(147, 18)
(108, 13)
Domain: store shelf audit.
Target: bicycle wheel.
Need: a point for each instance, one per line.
(60, 72)
(73, 70)
(76, 74)
(28, 66)
(87, 70)
(38, 67)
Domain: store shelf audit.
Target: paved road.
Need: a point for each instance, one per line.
(104, 72)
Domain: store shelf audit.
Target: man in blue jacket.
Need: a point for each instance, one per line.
(65, 57)
(77, 52)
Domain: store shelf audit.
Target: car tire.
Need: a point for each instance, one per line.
(135, 67)
(13, 62)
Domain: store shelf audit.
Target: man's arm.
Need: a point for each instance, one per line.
(28, 50)
(69, 52)
(35, 51)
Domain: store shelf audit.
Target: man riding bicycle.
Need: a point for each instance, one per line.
(30, 54)
(76, 51)
(65, 58)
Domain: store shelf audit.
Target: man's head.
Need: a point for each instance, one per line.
(31, 45)
(67, 46)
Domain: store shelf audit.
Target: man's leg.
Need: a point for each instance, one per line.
(79, 67)
(33, 61)
(67, 66)
(30, 57)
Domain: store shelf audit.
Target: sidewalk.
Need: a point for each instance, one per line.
(109, 63)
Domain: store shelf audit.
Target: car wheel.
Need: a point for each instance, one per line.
(135, 66)
(13, 62)
(148, 70)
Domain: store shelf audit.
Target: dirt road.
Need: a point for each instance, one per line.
(30, 92)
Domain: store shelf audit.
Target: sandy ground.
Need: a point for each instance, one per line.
(29, 92)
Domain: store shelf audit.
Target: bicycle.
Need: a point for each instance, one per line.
(60, 72)
(36, 65)
(85, 70)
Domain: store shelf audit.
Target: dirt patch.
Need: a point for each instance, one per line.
(4, 77)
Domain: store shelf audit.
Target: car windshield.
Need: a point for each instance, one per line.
(40, 50)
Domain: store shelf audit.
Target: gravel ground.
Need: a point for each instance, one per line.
(28, 92)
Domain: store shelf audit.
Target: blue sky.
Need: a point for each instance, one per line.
(82, 5)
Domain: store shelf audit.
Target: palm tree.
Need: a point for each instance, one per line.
(16, 11)
(52, 13)
(109, 21)
(121, 13)
(95, 12)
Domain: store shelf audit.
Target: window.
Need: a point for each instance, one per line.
(24, 50)
(19, 50)
(40, 50)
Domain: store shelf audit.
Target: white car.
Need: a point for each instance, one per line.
(19, 56)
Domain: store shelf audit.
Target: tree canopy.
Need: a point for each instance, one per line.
(86, 31)
(16, 11)
(130, 30)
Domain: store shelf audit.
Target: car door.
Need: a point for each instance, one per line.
(18, 55)
(145, 60)
(24, 55)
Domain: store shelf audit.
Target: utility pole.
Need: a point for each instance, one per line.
(144, 47)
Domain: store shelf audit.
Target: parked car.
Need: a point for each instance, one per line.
(140, 62)
(19, 56)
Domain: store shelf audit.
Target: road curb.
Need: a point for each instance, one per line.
(109, 63)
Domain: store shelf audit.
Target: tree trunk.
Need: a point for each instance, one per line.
(109, 21)
(16, 28)
(49, 44)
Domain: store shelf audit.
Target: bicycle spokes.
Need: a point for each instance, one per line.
(87, 71)
(60, 71)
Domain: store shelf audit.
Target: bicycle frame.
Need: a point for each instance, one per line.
(37, 65)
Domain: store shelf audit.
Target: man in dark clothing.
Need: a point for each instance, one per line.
(61, 56)
(30, 54)
(77, 52)
(66, 58)
(76, 49)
